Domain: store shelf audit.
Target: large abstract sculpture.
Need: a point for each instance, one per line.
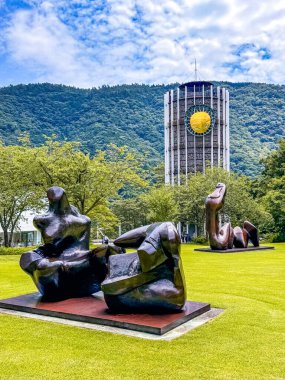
(149, 279)
(225, 237)
(64, 266)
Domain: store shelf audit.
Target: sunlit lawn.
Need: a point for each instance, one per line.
(247, 341)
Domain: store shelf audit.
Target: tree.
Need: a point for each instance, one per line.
(274, 202)
(271, 188)
(274, 164)
(130, 213)
(18, 187)
(186, 203)
(160, 204)
(156, 205)
(90, 182)
(104, 222)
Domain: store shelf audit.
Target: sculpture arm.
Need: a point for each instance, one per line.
(34, 260)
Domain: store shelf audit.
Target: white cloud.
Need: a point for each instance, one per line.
(89, 43)
(43, 44)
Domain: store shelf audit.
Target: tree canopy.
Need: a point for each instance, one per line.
(18, 189)
(269, 189)
(186, 203)
(90, 183)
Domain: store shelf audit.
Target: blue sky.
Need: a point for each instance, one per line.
(91, 43)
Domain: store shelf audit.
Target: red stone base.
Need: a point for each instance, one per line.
(94, 310)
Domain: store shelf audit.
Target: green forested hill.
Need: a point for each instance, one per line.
(257, 116)
(132, 115)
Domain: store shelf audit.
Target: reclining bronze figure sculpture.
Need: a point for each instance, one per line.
(149, 279)
(226, 237)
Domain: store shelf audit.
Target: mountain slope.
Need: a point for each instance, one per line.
(132, 115)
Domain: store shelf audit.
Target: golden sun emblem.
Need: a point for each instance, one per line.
(200, 121)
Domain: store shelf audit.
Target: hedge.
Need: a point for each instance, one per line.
(14, 250)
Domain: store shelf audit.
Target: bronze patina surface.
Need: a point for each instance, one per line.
(152, 277)
(225, 237)
(64, 266)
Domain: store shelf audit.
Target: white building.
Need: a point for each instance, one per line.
(25, 234)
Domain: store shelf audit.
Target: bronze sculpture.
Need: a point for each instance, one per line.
(150, 279)
(226, 237)
(64, 266)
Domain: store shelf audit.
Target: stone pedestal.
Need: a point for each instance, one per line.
(92, 309)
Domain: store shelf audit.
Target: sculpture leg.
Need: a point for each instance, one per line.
(240, 237)
(252, 233)
(158, 296)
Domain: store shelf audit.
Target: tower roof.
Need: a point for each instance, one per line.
(196, 83)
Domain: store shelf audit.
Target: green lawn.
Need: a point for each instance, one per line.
(247, 341)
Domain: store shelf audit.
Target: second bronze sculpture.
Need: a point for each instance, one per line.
(226, 237)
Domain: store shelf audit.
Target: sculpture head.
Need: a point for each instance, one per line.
(215, 201)
(62, 220)
(58, 202)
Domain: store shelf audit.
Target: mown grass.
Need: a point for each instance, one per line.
(247, 341)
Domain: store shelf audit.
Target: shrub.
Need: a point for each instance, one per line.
(278, 237)
(14, 250)
(200, 240)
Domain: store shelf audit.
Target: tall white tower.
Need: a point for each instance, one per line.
(196, 129)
